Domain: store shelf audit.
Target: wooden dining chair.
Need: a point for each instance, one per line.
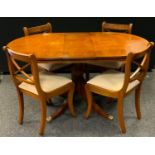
(117, 84)
(46, 28)
(40, 85)
(112, 27)
(115, 27)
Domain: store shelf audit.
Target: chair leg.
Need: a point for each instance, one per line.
(137, 101)
(120, 115)
(89, 101)
(43, 116)
(70, 100)
(21, 107)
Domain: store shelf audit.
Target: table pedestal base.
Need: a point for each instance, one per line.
(79, 80)
(102, 113)
(78, 71)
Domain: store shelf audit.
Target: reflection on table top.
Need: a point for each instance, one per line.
(79, 46)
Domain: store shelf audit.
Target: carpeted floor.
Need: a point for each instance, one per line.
(67, 126)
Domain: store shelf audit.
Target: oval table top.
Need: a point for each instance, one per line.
(79, 46)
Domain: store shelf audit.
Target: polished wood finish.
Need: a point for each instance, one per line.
(112, 27)
(138, 74)
(42, 96)
(115, 27)
(60, 111)
(79, 46)
(78, 78)
(46, 28)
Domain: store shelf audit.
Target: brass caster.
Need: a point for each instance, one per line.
(49, 119)
(110, 117)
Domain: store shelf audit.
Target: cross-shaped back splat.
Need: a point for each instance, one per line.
(21, 69)
(142, 67)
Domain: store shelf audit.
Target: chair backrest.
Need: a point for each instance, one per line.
(113, 27)
(46, 28)
(142, 66)
(17, 69)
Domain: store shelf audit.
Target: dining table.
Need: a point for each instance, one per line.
(80, 48)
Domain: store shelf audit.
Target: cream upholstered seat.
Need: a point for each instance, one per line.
(117, 85)
(112, 80)
(46, 28)
(51, 66)
(108, 64)
(48, 82)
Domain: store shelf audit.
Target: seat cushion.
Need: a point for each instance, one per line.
(108, 64)
(48, 81)
(111, 80)
(52, 66)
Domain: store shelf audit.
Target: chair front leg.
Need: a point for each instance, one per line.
(20, 106)
(70, 100)
(43, 115)
(137, 101)
(89, 102)
(120, 114)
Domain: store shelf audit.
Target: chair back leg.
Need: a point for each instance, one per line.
(20, 106)
(43, 115)
(137, 101)
(120, 114)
